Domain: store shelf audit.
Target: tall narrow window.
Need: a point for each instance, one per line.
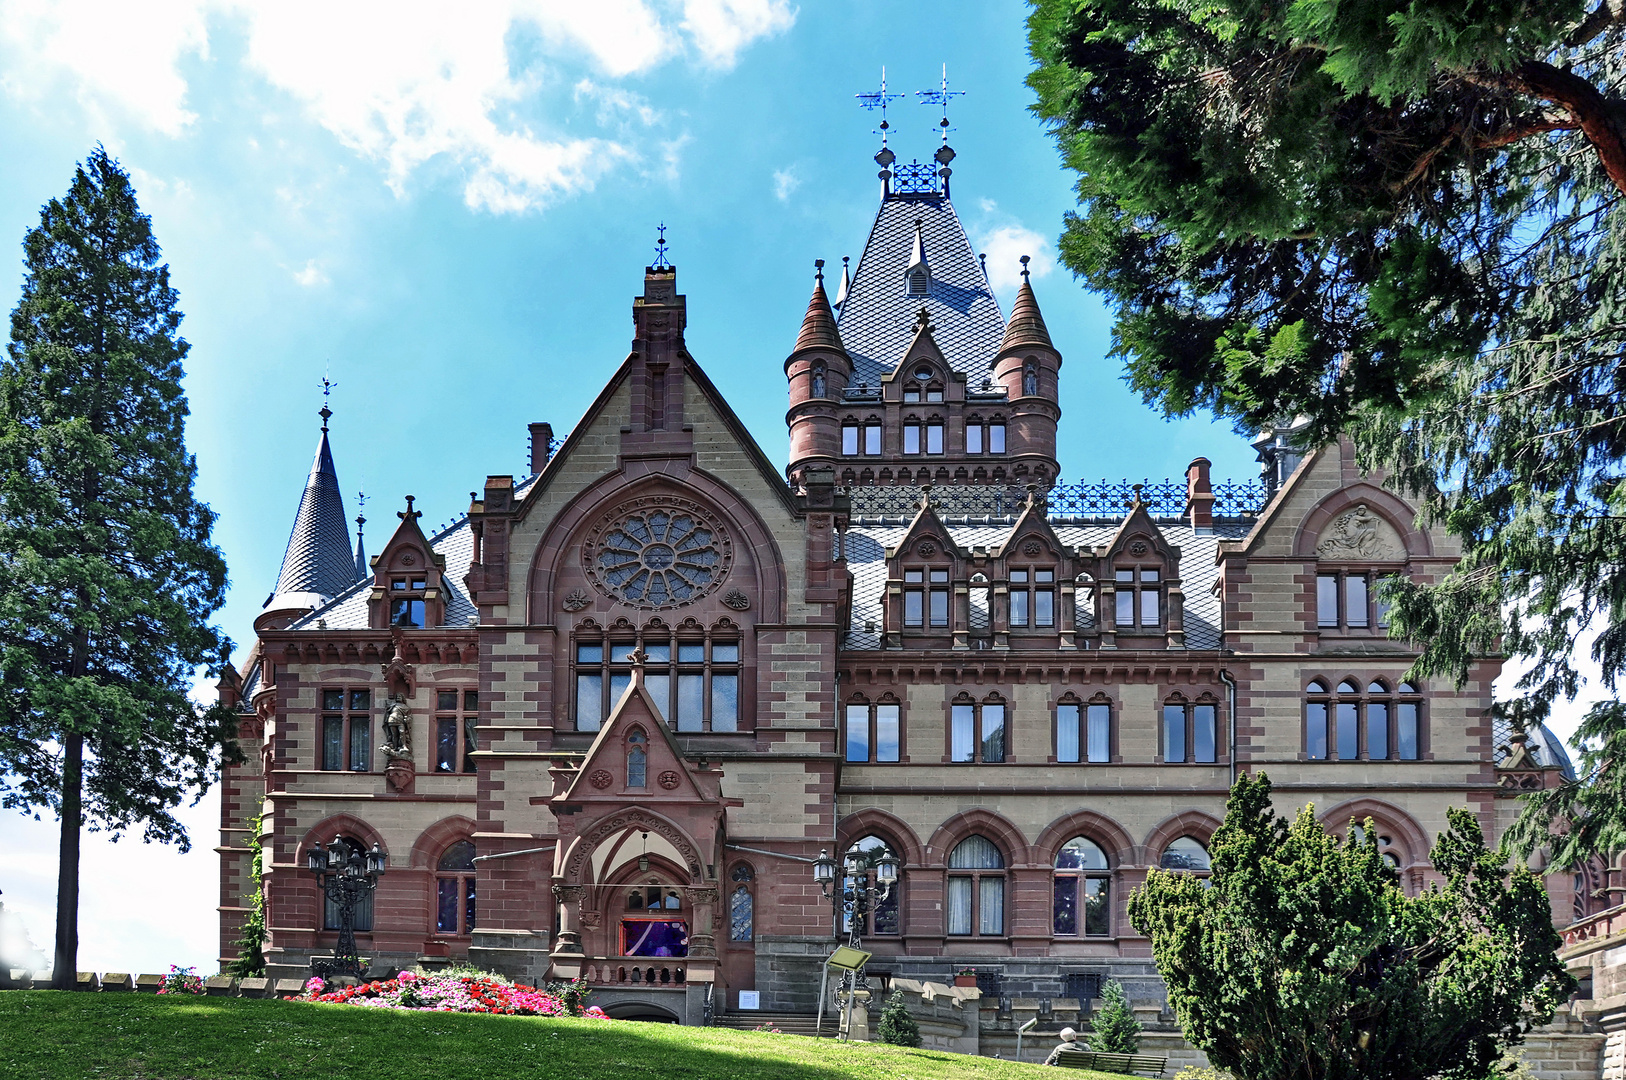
(934, 436)
(454, 890)
(1082, 890)
(874, 732)
(1355, 606)
(1408, 725)
(1044, 598)
(455, 730)
(1067, 731)
(1347, 714)
(914, 598)
(725, 686)
(996, 438)
(858, 741)
(589, 685)
(849, 439)
(742, 905)
(1326, 600)
(973, 438)
(911, 438)
(1203, 736)
(976, 899)
(977, 731)
(884, 918)
(1099, 715)
(888, 732)
(1315, 730)
(1019, 597)
(939, 597)
(1174, 733)
(872, 438)
(347, 730)
(637, 760)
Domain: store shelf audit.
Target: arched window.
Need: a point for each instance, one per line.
(1187, 853)
(818, 380)
(976, 900)
(454, 889)
(742, 905)
(1082, 881)
(637, 760)
(884, 918)
(1387, 850)
(364, 906)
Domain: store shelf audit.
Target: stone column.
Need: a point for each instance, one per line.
(569, 898)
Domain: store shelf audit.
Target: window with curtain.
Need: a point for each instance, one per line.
(454, 889)
(976, 888)
(977, 731)
(1082, 896)
(1084, 731)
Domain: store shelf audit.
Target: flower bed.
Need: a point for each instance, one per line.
(450, 993)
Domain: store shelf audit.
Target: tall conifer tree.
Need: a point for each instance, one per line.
(107, 572)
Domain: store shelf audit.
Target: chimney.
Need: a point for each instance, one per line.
(541, 446)
(1199, 495)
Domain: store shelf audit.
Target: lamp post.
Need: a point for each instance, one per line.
(858, 895)
(346, 876)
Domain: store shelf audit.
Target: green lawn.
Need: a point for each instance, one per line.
(46, 1035)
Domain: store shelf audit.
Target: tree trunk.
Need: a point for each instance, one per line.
(65, 969)
(1599, 118)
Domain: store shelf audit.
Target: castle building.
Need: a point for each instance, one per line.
(602, 723)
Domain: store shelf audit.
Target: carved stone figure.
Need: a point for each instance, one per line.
(1354, 535)
(398, 730)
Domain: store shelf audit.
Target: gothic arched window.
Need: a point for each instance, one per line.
(1186, 853)
(454, 889)
(637, 760)
(1083, 890)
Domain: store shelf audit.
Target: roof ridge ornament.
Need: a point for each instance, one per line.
(1025, 260)
(409, 514)
(661, 261)
(870, 100)
(846, 282)
(327, 390)
(945, 153)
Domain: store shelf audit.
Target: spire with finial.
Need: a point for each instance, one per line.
(846, 282)
(1026, 327)
(945, 153)
(819, 324)
(869, 101)
(409, 514)
(317, 564)
(361, 521)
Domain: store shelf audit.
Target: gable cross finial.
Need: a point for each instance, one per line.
(661, 261)
(923, 319)
(409, 514)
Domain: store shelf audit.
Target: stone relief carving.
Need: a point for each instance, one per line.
(926, 549)
(1356, 534)
(1032, 547)
(600, 778)
(575, 600)
(736, 599)
(670, 780)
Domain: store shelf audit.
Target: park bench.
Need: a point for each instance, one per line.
(1070, 1058)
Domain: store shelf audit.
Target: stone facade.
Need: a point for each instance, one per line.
(652, 681)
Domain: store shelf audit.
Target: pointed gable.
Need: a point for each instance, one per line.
(1031, 526)
(634, 738)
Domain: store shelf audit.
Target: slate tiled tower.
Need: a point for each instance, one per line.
(646, 684)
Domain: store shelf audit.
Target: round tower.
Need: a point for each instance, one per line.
(1029, 368)
(818, 370)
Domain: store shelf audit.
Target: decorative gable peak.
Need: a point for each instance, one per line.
(635, 755)
(408, 588)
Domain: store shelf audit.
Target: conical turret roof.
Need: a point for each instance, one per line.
(1027, 324)
(819, 324)
(319, 563)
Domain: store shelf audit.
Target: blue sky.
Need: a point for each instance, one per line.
(446, 209)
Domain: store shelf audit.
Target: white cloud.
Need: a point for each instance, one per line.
(311, 275)
(785, 181)
(403, 84)
(1005, 245)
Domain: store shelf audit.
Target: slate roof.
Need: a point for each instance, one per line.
(866, 559)
(1546, 747)
(348, 610)
(878, 317)
(318, 562)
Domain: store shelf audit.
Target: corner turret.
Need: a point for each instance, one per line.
(1029, 368)
(318, 563)
(818, 370)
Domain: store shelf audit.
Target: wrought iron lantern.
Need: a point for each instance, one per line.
(346, 878)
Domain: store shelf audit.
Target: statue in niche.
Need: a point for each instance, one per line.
(818, 381)
(1030, 380)
(398, 729)
(1354, 535)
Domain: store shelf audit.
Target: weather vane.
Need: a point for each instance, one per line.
(661, 261)
(361, 510)
(327, 390)
(877, 99)
(941, 96)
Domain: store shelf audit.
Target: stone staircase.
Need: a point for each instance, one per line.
(787, 1023)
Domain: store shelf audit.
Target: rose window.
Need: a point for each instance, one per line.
(660, 556)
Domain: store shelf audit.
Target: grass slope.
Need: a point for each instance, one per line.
(47, 1035)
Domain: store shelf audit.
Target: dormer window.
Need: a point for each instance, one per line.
(406, 601)
(921, 603)
(1138, 598)
(920, 282)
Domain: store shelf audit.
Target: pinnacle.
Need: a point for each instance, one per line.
(819, 324)
(1026, 326)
